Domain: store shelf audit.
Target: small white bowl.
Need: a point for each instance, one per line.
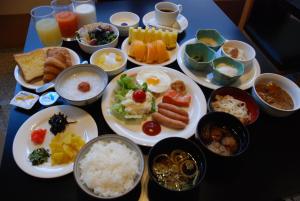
(67, 82)
(93, 48)
(286, 84)
(248, 51)
(114, 71)
(131, 19)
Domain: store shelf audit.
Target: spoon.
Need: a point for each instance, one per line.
(49, 85)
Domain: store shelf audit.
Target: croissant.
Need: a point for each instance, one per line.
(57, 60)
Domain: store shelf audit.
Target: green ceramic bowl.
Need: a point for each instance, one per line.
(199, 57)
(210, 37)
(226, 70)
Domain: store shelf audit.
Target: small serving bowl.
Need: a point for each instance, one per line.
(231, 122)
(225, 79)
(166, 146)
(124, 20)
(246, 49)
(93, 48)
(66, 84)
(286, 84)
(210, 34)
(114, 71)
(238, 94)
(204, 54)
(108, 138)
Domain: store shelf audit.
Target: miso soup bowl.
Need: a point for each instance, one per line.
(166, 146)
(284, 83)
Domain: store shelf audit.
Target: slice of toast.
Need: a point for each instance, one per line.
(31, 64)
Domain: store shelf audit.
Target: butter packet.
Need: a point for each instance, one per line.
(24, 100)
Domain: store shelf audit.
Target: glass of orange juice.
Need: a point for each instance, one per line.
(46, 25)
(66, 18)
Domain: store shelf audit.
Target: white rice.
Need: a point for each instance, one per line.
(109, 168)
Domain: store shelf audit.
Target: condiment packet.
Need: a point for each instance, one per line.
(24, 100)
(48, 98)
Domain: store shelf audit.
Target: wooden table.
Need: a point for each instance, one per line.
(268, 170)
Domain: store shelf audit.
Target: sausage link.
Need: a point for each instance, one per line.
(166, 121)
(173, 108)
(173, 115)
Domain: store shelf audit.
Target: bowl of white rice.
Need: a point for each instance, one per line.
(109, 166)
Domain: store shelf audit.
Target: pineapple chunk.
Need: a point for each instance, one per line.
(64, 147)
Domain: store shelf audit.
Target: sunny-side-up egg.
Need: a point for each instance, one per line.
(157, 81)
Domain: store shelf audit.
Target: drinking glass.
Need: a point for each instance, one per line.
(85, 11)
(46, 25)
(66, 18)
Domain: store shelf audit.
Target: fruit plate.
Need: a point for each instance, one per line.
(173, 55)
(39, 82)
(205, 79)
(85, 126)
(133, 130)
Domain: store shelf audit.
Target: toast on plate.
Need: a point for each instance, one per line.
(31, 64)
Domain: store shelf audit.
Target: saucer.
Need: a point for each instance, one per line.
(181, 24)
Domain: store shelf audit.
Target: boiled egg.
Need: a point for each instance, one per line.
(157, 81)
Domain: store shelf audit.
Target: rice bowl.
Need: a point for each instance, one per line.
(109, 166)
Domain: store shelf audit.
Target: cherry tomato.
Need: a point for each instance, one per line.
(139, 96)
(38, 136)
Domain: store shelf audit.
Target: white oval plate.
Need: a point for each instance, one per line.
(182, 22)
(205, 79)
(22, 146)
(173, 55)
(134, 131)
(19, 77)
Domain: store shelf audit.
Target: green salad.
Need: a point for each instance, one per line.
(123, 103)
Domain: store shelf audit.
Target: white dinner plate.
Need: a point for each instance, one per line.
(205, 79)
(85, 126)
(35, 84)
(173, 55)
(133, 130)
(181, 24)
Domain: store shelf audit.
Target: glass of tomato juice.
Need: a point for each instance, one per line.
(66, 18)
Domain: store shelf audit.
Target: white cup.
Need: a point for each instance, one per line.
(166, 13)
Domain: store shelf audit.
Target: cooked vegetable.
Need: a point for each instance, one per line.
(58, 123)
(39, 156)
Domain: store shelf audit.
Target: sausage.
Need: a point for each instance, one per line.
(166, 121)
(173, 108)
(173, 115)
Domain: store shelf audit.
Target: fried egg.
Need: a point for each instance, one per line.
(157, 81)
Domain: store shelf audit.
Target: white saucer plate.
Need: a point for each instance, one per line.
(181, 24)
(205, 79)
(133, 130)
(85, 126)
(35, 84)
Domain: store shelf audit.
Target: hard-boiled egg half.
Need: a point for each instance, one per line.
(157, 81)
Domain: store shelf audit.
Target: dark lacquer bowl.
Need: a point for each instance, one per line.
(167, 146)
(222, 120)
(252, 107)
